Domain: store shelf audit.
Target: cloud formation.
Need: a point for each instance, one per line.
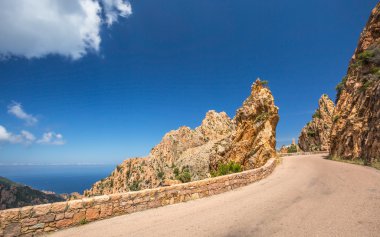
(34, 29)
(4, 134)
(27, 138)
(115, 8)
(24, 137)
(17, 110)
(51, 138)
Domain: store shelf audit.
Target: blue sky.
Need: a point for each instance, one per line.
(164, 64)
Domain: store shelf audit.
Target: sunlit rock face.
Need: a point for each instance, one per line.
(356, 128)
(254, 140)
(315, 136)
(189, 154)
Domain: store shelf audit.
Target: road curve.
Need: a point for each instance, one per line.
(305, 196)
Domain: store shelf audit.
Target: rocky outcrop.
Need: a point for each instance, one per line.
(254, 139)
(17, 195)
(315, 136)
(283, 149)
(187, 154)
(292, 148)
(181, 152)
(356, 129)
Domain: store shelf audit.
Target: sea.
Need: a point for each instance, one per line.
(57, 178)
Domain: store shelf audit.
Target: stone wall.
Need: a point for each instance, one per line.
(35, 220)
(303, 153)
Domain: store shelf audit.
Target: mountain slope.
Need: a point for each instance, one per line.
(17, 195)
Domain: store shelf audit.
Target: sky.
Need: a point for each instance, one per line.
(98, 81)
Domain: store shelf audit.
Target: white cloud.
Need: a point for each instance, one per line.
(24, 137)
(4, 134)
(29, 137)
(115, 8)
(51, 138)
(34, 29)
(17, 110)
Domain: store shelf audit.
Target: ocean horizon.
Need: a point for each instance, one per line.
(58, 178)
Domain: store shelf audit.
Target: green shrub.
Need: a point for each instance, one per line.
(229, 168)
(83, 222)
(340, 87)
(223, 169)
(161, 174)
(262, 117)
(366, 85)
(375, 70)
(176, 171)
(371, 55)
(317, 114)
(366, 55)
(314, 147)
(292, 148)
(236, 168)
(311, 133)
(184, 177)
(135, 186)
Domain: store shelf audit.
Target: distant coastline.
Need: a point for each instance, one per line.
(57, 178)
(55, 164)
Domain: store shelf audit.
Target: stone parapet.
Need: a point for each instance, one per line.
(302, 153)
(40, 219)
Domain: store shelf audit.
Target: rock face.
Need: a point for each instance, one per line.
(17, 195)
(185, 154)
(254, 140)
(356, 129)
(315, 136)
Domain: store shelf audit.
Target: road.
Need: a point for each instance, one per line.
(305, 196)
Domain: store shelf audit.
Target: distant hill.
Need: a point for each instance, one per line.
(18, 195)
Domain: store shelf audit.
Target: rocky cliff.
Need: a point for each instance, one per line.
(315, 136)
(356, 129)
(17, 195)
(254, 139)
(187, 154)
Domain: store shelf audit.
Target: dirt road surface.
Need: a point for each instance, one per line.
(305, 196)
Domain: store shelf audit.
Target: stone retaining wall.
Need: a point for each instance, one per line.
(35, 220)
(303, 153)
